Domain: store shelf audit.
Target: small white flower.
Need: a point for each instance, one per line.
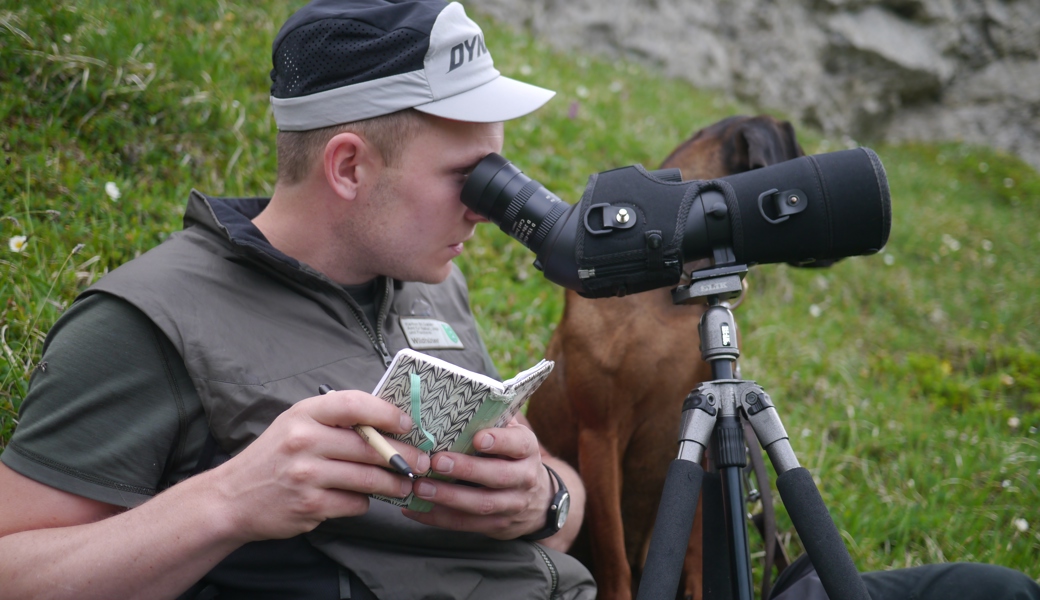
(526, 70)
(815, 310)
(582, 91)
(17, 243)
(1013, 422)
(112, 190)
(1021, 524)
(889, 259)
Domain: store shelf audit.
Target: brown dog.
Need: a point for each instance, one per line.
(623, 367)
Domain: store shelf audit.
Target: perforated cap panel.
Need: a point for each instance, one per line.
(332, 43)
(314, 58)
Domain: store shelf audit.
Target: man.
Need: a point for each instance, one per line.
(192, 457)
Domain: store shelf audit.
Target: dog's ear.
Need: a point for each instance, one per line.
(769, 141)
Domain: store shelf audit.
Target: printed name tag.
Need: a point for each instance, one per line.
(429, 334)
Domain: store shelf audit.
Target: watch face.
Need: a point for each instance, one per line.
(561, 513)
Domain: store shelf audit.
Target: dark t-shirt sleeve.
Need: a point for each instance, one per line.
(111, 413)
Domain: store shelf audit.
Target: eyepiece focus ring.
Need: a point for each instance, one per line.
(558, 210)
(519, 201)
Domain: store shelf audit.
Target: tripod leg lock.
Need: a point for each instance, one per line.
(768, 429)
(698, 420)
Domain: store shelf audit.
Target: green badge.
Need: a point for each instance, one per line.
(430, 334)
(450, 333)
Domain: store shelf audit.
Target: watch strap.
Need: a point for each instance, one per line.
(554, 506)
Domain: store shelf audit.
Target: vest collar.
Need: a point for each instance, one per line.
(231, 220)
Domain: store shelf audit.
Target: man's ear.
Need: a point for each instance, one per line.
(349, 161)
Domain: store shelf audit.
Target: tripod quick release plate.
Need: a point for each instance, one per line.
(723, 283)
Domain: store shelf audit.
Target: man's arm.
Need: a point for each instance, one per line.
(515, 489)
(307, 467)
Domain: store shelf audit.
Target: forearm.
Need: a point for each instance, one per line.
(156, 550)
(565, 537)
(308, 466)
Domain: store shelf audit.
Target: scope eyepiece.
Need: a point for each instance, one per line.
(519, 205)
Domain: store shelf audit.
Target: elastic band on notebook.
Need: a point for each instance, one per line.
(417, 417)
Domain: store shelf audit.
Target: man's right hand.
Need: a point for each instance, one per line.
(307, 466)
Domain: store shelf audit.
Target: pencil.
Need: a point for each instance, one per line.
(377, 441)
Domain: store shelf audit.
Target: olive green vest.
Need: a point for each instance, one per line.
(259, 331)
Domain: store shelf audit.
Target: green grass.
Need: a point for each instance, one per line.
(909, 381)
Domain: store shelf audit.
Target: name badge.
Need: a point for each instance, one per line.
(429, 334)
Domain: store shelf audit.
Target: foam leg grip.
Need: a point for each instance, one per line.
(671, 536)
(820, 536)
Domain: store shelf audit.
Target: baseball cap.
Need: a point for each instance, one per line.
(339, 61)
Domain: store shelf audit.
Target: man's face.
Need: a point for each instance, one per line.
(412, 221)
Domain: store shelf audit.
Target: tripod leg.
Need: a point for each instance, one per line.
(718, 577)
(797, 489)
(671, 535)
(682, 487)
(820, 535)
(731, 457)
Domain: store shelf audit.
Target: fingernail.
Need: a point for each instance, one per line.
(406, 488)
(425, 489)
(423, 463)
(487, 441)
(406, 422)
(444, 464)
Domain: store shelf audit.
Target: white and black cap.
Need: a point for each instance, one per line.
(339, 61)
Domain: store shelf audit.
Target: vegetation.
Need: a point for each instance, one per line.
(909, 381)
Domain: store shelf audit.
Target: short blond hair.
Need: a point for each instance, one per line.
(297, 150)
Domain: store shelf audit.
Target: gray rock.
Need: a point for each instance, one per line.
(966, 70)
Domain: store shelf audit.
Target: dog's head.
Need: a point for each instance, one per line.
(735, 145)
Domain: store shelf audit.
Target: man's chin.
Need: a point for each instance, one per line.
(431, 276)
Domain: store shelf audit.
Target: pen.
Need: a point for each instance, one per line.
(377, 441)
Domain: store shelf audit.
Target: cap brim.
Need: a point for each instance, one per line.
(500, 99)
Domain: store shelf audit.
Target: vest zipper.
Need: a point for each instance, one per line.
(553, 573)
(384, 309)
(377, 339)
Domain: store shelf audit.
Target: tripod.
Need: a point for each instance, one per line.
(711, 414)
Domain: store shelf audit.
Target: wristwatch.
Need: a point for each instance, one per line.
(556, 516)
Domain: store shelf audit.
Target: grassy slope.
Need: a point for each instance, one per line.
(914, 394)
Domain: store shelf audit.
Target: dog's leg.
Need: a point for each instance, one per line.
(599, 460)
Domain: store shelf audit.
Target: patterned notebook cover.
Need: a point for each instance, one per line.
(454, 404)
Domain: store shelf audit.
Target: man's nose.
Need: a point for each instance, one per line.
(475, 217)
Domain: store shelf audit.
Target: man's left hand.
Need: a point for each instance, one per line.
(513, 488)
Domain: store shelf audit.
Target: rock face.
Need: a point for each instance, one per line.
(964, 70)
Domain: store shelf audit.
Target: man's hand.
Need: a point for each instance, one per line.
(514, 493)
(306, 467)
(309, 465)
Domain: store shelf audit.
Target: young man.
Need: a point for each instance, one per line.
(215, 344)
